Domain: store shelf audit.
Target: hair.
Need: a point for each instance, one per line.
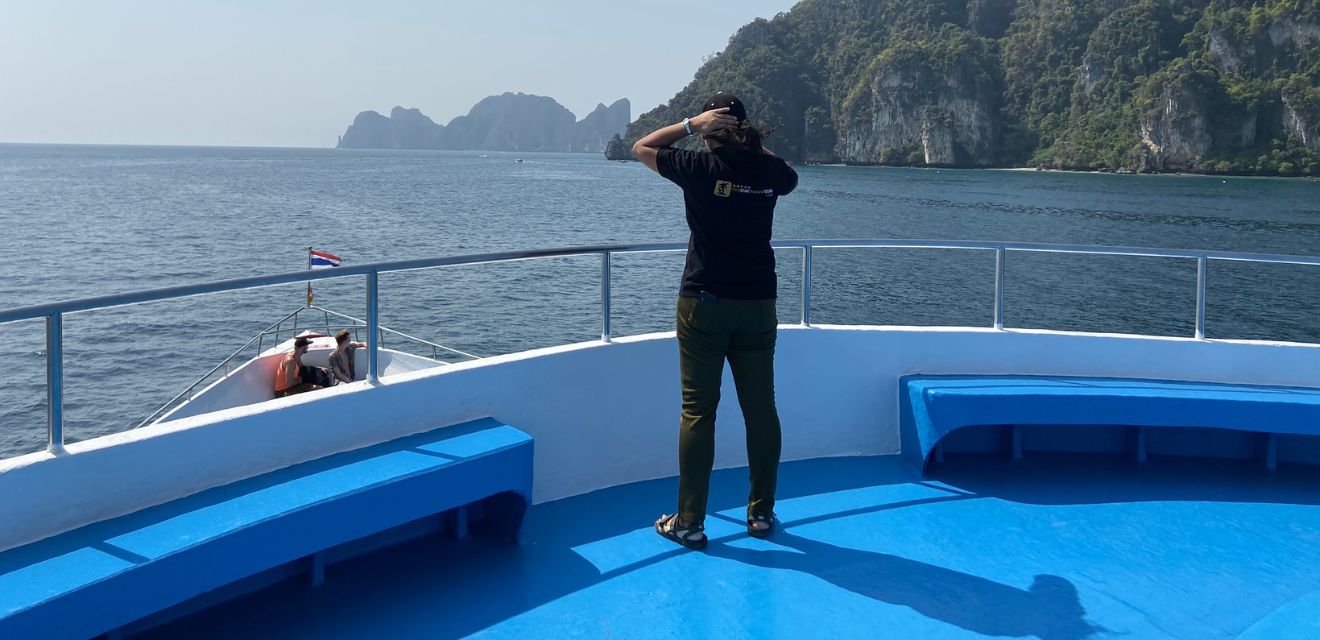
(341, 336)
(740, 147)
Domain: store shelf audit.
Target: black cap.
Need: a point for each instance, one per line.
(722, 100)
(301, 342)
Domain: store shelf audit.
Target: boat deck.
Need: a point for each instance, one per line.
(1056, 548)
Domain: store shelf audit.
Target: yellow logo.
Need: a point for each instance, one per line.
(723, 188)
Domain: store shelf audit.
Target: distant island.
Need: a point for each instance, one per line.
(1209, 86)
(507, 122)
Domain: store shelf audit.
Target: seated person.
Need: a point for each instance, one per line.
(292, 376)
(341, 361)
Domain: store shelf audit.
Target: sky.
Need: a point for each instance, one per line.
(287, 73)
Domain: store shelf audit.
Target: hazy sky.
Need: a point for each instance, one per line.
(284, 73)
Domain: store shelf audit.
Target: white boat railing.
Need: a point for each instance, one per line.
(54, 313)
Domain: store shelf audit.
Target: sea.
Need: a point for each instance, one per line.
(81, 221)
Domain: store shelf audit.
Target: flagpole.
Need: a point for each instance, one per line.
(309, 282)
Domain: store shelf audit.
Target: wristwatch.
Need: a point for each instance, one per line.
(687, 125)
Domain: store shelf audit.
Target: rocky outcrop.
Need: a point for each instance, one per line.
(937, 135)
(1247, 132)
(615, 149)
(507, 122)
(512, 122)
(369, 130)
(945, 114)
(1288, 31)
(412, 130)
(1295, 123)
(1226, 56)
(403, 129)
(1092, 72)
(1174, 130)
(592, 133)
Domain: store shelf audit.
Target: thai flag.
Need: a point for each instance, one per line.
(323, 260)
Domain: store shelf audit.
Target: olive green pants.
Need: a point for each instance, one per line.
(743, 332)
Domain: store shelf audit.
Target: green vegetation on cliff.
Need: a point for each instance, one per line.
(1146, 85)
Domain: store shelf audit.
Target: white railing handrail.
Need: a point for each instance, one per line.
(253, 282)
(54, 312)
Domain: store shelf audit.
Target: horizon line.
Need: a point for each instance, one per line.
(250, 146)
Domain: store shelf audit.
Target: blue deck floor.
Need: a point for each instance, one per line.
(1057, 549)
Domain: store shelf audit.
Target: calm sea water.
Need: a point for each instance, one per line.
(83, 221)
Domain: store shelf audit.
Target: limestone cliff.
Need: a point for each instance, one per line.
(507, 122)
(615, 149)
(592, 133)
(911, 106)
(1155, 85)
(412, 130)
(369, 130)
(1174, 130)
(512, 122)
(1306, 130)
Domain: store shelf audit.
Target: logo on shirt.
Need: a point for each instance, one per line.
(725, 189)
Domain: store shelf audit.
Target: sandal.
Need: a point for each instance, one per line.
(691, 535)
(760, 518)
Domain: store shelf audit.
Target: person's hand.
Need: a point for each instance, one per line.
(713, 121)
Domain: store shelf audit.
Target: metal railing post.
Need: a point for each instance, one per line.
(373, 327)
(605, 296)
(55, 383)
(1201, 264)
(1000, 255)
(806, 285)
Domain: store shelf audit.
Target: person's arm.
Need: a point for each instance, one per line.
(788, 178)
(648, 148)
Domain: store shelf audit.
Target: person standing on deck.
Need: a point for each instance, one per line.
(726, 305)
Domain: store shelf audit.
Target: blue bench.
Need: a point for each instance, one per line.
(102, 577)
(933, 407)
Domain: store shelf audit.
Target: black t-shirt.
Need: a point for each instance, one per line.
(730, 214)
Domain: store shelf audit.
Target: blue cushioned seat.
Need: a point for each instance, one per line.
(101, 577)
(932, 407)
